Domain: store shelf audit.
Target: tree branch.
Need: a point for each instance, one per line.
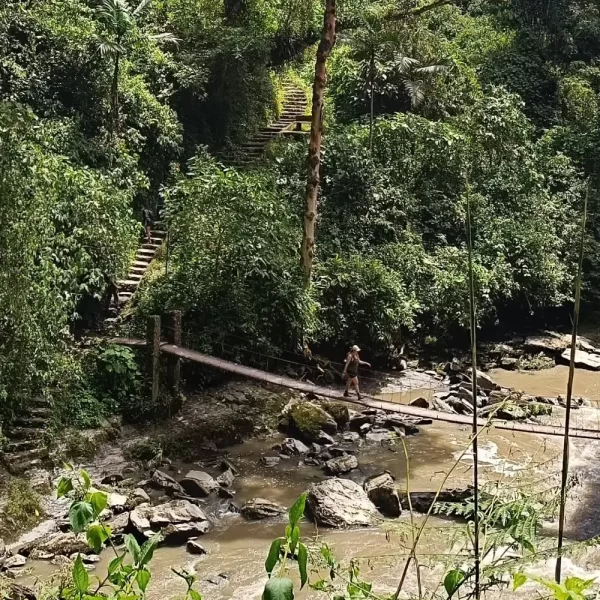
(415, 12)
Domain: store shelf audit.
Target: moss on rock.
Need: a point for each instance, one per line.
(307, 419)
(339, 412)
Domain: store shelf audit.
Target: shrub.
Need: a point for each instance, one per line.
(22, 508)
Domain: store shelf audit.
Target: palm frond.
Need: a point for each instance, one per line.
(414, 88)
(140, 7)
(108, 47)
(431, 69)
(404, 64)
(165, 37)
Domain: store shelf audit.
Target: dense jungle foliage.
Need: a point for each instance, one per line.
(107, 106)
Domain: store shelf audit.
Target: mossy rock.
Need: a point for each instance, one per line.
(339, 412)
(307, 419)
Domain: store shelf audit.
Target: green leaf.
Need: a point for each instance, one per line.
(115, 564)
(194, 595)
(147, 551)
(302, 564)
(297, 510)
(273, 557)
(81, 578)
(87, 482)
(81, 514)
(294, 538)
(518, 580)
(279, 588)
(453, 580)
(96, 536)
(143, 579)
(65, 485)
(133, 548)
(98, 500)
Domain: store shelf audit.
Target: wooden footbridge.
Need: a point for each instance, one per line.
(175, 353)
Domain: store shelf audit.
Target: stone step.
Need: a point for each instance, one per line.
(125, 297)
(140, 264)
(31, 422)
(41, 411)
(26, 433)
(25, 455)
(13, 447)
(128, 283)
(153, 247)
(134, 276)
(18, 467)
(40, 401)
(146, 251)
(159, 233)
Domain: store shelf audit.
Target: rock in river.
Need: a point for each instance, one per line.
(194, 547)
(381, 490)
(584, 359)
(178, 519)
(308, 419)
(199, 484)
(293, 447)
(342, 464)
(259, 508)
(165, 482)
(340, 503)
(226, 479)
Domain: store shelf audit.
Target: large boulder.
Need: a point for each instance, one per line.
(259, 508)
(340, 503)
(551, 342)
(583, 359)
(162, 481)
(178, 519)
(421, 501)
(342, 464)
(307, 420)
(339, 412)
(382, 492)
(199, 484)
(64, 544)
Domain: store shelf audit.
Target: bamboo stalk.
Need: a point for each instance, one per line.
(565, 460)
(473, 326)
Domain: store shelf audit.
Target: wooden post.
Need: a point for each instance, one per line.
(174, 362)
(153, 339)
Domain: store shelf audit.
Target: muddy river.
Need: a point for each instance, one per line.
(234, 565)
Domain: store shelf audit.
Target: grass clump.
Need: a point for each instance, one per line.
(21, 508)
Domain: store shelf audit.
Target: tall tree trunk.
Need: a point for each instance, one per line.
(372, 92)
(316, 134)
(114, 93)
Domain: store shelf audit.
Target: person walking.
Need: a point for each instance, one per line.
(351, 370)
(112, 291)
(148, 220)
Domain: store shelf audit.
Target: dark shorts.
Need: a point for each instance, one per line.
(352, 375)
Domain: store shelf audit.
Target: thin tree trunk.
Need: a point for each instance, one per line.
(316, 133)
(114, 93)
(565, 457)
(372, 78)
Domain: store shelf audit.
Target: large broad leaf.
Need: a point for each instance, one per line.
(143, 579)
(302, 564)
(65, 485)
(297, 510)
(279, 588)
(294, 537)
(81, 514)
(273, 557)
(453, 580)
(98, 500)
(81, 579)
(96, 536)
(133, 548)
(147, 550)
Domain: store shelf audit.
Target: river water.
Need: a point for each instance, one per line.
(233, 569)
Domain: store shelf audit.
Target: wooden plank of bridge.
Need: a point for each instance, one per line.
(368, 401)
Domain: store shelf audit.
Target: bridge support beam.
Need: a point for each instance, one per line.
(153, 345)
(174, 362)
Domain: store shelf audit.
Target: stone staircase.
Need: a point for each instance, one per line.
(137, 270)
(294, 107)
(25, 447)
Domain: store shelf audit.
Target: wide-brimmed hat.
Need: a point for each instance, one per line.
(355, 348)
